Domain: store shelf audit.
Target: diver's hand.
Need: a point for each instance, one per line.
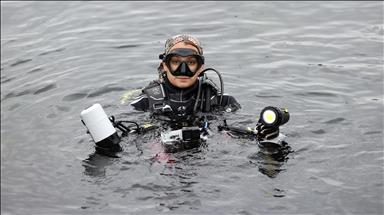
(265, 133)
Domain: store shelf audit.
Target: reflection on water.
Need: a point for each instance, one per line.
(95, 164)
(270, 164)
(321, 60)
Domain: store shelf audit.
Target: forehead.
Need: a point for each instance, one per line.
(184, 45)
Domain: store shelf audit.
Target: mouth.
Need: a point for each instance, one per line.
(183, 77)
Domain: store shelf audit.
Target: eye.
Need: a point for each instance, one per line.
(175, 61)
(191, 61)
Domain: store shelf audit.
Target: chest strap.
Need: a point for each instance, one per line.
(157, 98)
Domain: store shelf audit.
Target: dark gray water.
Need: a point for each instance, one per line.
(321, 60)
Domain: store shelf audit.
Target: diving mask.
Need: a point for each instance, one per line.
(183, 61)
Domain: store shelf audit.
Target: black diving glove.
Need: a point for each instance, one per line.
(266, 133)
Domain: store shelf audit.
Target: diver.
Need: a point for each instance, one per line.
(183, 89)
(182, 97)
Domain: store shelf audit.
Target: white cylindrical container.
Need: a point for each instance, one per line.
(97, 122)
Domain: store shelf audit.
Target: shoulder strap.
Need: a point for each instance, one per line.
(209, 95)
(212, 84)
(156, 96)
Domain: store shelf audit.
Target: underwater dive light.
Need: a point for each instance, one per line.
(100, 128)
(274, 117)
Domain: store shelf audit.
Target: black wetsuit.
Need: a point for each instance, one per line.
(164, 100)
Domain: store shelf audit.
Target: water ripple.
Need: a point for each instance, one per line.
(52, 51)
(126, 46)
(45, 88)
(322, 60)
(5, 79)
(18, 62)
(105, 90)
(334, 121)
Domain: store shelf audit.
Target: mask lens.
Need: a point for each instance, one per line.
(191, 62)
(175, 63)
(179, 59)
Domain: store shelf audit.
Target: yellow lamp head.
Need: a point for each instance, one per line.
(273, 116)
(269, 116)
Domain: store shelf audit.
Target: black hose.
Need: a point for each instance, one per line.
(198, 95)
(207, 103)
(202, 98)
(123, 128)
(221, 82)
(137, 125)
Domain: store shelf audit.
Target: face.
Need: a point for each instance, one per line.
(182, 81)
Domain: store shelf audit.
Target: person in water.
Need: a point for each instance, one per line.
(184, 97)
(182, 90)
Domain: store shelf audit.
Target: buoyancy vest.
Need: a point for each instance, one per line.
(178, 104)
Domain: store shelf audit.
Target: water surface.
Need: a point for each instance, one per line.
(321, 60)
